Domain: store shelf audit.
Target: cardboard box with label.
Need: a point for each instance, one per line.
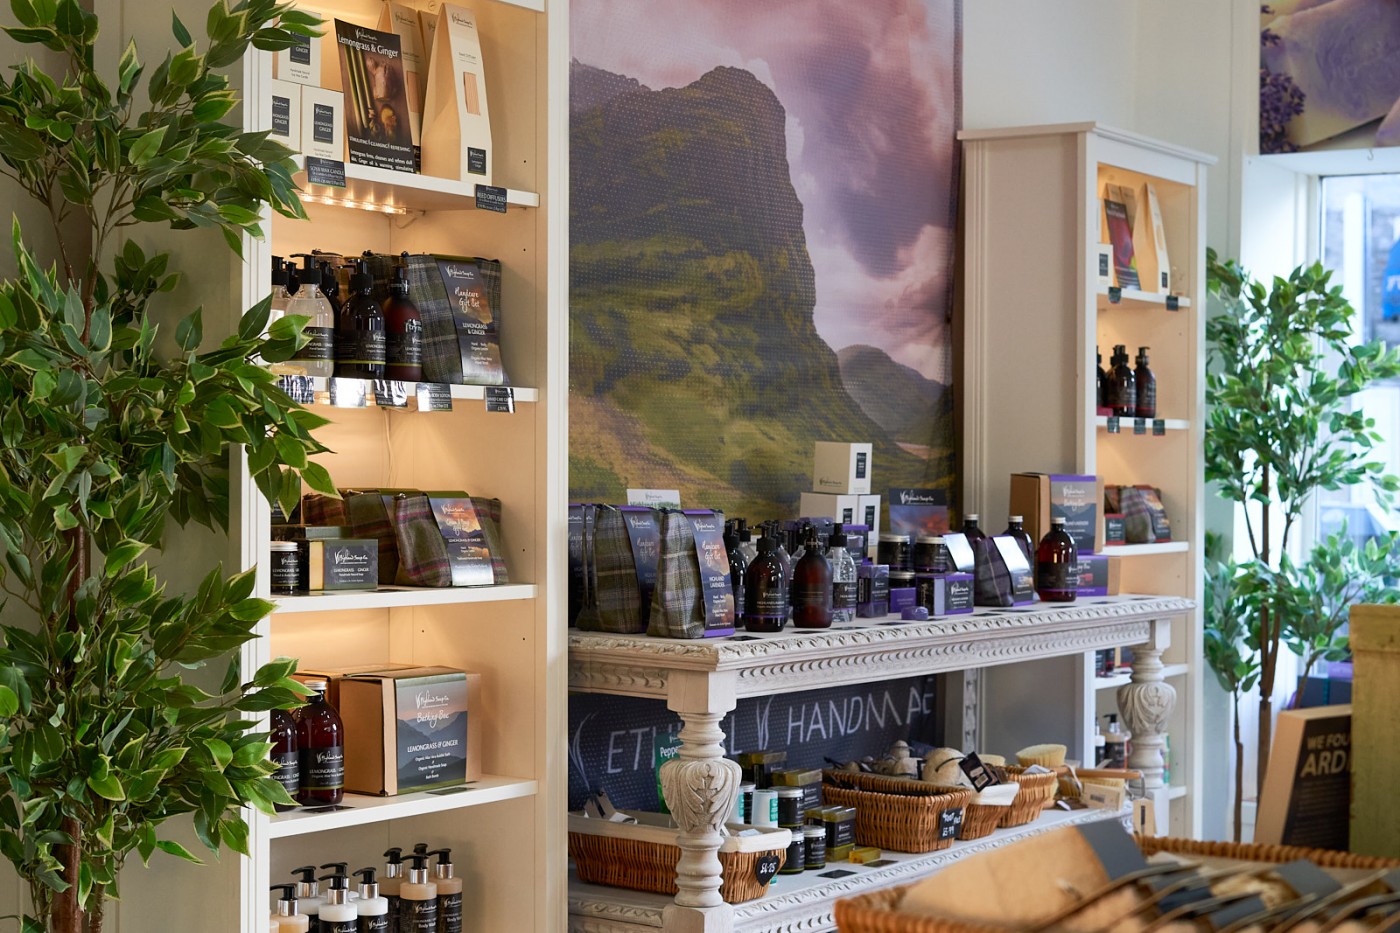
(409, 730)
(1039, 497)
(286, 114)
(841, 468)
(300, 64)
(843, 508)
(322, 123)
(868, 514)
(456, 136)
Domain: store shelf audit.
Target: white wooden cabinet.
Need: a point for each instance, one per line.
(507, 830)
(1034, 312)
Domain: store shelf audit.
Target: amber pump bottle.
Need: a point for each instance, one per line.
(418, 909)
(1146, 386)
(404, 327)
(285, 756)
(765, 590)
(1124, 384)
(449, 892)
(1016, 528)
(811, 586)
(321, 745)
(360, 338)
(1055, 561)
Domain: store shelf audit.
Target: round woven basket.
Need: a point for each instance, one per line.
(878, 912)
(1037, 792)
(980, 820)
(646, 866)
(1254, 852)
(899, 814)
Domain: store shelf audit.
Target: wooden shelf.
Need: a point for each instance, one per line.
(805, 901)
(364, 810)
(1176, 791)
(320, 387)
(395, 597)
(1118, 680)
(1126, 424)
(387, 191)
(1146, 550)
(1141, 300)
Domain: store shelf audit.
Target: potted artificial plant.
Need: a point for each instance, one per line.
(105, 435)
(1281, 426)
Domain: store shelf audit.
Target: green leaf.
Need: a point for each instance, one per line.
(189, 333)
(107, 787)
(145, 148)
(221, 753)
(122, 554)
(182, 35)
(170, 847)
(9, 702)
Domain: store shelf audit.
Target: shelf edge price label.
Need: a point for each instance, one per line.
(491, 198)
(1139, 425)
(1159, 427)
(1173, 303)
(433, 396)
(500, 399)
(1113, 424)
(300, 389)
(348, 393)
(392, 393)
(327, 172)
(1115, 294)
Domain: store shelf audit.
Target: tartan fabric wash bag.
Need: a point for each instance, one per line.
(625, 547)
(369, 518)
(423, 559)
(692, 598)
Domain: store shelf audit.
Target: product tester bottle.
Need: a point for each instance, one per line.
(338, 913)
(392, 878)
(317, 358)
(287, 917)
(449, 892)
(418, 908)
(1055, 561)
(373, 909)
(765, 590)
(843, 577)
(361, 345)
(403, 327)
(811, 586)
(321, 745)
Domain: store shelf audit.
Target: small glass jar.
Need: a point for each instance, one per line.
(813, 847)
(285, 571)
(930, 554)
(894, 551)
(790, 809)
(746, 790)
(796, 856)
(765, 808)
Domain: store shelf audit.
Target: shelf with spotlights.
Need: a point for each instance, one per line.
(384, 191)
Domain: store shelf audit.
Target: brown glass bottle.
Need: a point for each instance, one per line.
(1016, 528)
(360, 342)
(971, 528)
(1146, 386)
(1055, 560)
(811, 586)
(321, 746)
(1124, 384)
(765, 590)
(404, 327)
(285, 756)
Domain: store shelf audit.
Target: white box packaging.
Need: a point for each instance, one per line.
(843, 509)
(869, 514)
(285, 119)
(456, 139)
(300, 64)
(841, 468)
(323, 123)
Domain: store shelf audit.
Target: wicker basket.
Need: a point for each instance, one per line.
(1037, 792)
(643, 856)
(899, 814)
(980, 820)
(1256, 852)
(878, 912)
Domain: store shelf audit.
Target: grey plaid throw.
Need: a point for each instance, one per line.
(617, 605)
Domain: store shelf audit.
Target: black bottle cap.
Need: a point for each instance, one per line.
(420, 848)
(279, 272)
(328, 279)
(286, 897)
(395, 856)
(1142, 354)
(310, 273)
(444, 855)
(339, 882)
(361, 280)
(766, 545)
(418, 861)
(341, 867)
(307, 872)
(838, 536)
(367, 875)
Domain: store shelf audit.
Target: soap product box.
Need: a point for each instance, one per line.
(408, 729)
(868, 514)
(902, 598)
(285, 98)
(952, 594)
(840, 508)
(873, 591)
(323, 123)
(1077, 499)
(1098, 574)
(342, 564)
(334, 674)
(300, 64)
(842, 468)
(1115, 532)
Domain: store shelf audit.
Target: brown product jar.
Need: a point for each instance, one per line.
(321, 745)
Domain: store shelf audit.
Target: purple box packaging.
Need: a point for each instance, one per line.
(857, 538)
(902, 598)
(1092, 572)
(873, 591)
(952, 594)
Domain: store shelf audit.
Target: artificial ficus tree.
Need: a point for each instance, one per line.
(106, 437)
(1229, 604)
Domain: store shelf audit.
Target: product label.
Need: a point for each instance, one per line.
(450, 913)
(286, 571)
(478, 333)
(300, 53)
(406, 349)
(861, 459)
(281, 115)
(322, 123)
(350, 564)
(949, 822)
(491, 198)
(323, 768)
(766, 602)
(329, 173)
(361, 347)
(1076, 500)
(871, 512)
(644, 534)
(467, 549)
(379, 924)
(811, 596)
(417, 916)
(320, 347)
(288, 772)
(1055, 578)
(476, 161)
(960, 595)
(338, 926)
(432, 731)
(715, 590)
(841, 833)
(843, 596)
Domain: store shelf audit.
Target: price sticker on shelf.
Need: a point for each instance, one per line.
(1173, 303)
(1113, 424)
(1139, 425)
(949, 822)
(300, 389)
(391, 393)
(433, 396)
(1159, 427)
(327, 172)
(1115, 294)
(500, 399)
(491, 198)
(349, 393)
(765, 869)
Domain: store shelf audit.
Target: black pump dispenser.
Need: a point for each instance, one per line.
(287, 903)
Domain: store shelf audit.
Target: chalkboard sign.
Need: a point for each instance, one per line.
(611, 739)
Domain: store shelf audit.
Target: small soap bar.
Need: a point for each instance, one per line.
(864, 854)
(914, 614)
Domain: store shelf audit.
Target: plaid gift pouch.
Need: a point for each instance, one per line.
(587, 617)
(488, 514)
(369, 518)
(421, 548)
(1144, 517)
(624, 575)
(317, 509)
(677, 610)
(993, 586)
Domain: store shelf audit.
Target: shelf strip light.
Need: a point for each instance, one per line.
(357, 205)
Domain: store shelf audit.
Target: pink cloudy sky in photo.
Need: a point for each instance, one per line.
(870, 94)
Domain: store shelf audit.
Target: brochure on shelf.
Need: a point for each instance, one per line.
(456, 138)
(376, 100)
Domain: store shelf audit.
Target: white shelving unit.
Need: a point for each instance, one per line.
(1034, 314)
(506, 830)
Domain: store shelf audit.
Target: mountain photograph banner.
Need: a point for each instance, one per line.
(763, 199)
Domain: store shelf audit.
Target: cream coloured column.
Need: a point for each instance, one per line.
(1146, 703)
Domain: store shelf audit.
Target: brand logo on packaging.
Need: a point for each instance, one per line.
(914, 497)
(281, 116)
(300, 53)
(323, 123)
(870, 515)
(353, 558)
(458, 19)
(860, 465)
(847, 516)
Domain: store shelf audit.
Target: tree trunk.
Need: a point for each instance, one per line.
(1268, 651)
(1239, 769)
(1266, 737)
(67, 916)
(97, 907)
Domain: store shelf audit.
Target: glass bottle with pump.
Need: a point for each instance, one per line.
(418, 909)
(309, 894)
(321, 745)
(393, 878)
(330, 285)
(1102, 378)
(1055, 579)
(360, 340)
(746, 544)
(404, 329)
(1016, 528)
(1146, 386)
(373, 909)
(843, 577)
(284, 755)
(338, 914)
(449, 896)
(737, 567)
(1124, 384)
(288, 918)
(317, 358)
(277, 309)
(765, 590)
(811, 586)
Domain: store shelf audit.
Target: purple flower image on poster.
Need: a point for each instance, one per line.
(762, 208)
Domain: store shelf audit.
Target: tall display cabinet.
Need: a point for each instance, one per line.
(507, 830)
(1036, 309)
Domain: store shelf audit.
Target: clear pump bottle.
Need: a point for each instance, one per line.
(418, 909)
(288, 918)
(373, 909)
(449, 896)
(746, 544)
(317, 358)
(338, 914)
(843, 577)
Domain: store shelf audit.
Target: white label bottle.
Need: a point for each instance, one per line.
(309, 894)
(338, 915)
(374, 910)
(418, 911)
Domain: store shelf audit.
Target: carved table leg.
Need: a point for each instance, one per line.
(700, 786)
(1146, 703)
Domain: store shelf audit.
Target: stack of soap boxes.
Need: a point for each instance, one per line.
(841, 487)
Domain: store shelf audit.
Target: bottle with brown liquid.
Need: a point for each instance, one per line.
(360, 343)
(321, 745)
(1124, 384)
(404, 327)
(1146, 386)
(765, 590)
(811, 586)
(285, 756)
(1055, 561)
